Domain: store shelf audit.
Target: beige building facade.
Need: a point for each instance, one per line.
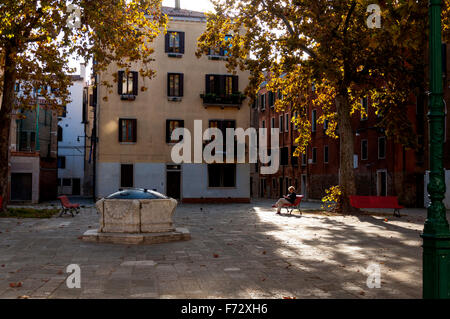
(134, 126)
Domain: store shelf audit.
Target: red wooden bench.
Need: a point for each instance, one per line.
(295, 205)
(376, 202)
(67, 207)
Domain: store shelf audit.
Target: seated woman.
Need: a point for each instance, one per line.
(288, 199)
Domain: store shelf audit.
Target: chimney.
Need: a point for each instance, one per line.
(177, 4)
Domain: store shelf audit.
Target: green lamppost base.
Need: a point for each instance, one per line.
(436, 266)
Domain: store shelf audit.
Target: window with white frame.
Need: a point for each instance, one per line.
(262, 98)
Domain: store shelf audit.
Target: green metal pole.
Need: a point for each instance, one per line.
(436, 233)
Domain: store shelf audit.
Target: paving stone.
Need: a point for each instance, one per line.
(235, 251)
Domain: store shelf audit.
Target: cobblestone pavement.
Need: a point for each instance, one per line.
(236, 251)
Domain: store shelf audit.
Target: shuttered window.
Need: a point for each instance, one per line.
(175, 84)
(271, 99)
(127, 130)
(174, 42)
(171, 125)
(128, 83)
(314, 120)
(263, 101)
(221, 52)
(221, 84)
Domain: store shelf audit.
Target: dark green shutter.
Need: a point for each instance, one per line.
(235, 83)
(120, 130)
(167, 131)
(135, 83)
(168, 83)
(220, 84)
(181, 84)
(181, 42)
(167, 39)
(207, 84)
(120, 82)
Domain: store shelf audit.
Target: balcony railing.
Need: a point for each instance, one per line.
(234, 99)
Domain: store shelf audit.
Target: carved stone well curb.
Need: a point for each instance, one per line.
(136, 221)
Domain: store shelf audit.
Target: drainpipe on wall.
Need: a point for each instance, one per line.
(94, 141)
(38, 148)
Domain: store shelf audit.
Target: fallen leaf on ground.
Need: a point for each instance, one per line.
(289, 297)
(15, 284)
(264, 252)
(216, 256)
(60, 272)
(362, 293)
(23, 297)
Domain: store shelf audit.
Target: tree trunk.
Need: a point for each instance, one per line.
(347, 149)
(9, 80)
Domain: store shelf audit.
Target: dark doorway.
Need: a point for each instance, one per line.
(21, 186)
(174, 184)
(76, 190)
